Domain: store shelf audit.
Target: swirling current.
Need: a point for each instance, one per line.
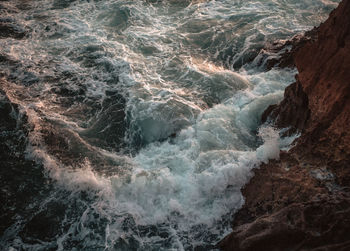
(133, 125)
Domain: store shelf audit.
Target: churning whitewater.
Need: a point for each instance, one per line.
(142, 117)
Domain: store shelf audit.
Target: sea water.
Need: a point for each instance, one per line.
(142, 116)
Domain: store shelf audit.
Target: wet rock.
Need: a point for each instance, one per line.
(321, 224)
(292, 112)
(278, 53)
(281, 53)
(302, 201)
(291, 209)
(318, 103)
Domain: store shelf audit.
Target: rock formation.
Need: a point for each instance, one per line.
(302, 201)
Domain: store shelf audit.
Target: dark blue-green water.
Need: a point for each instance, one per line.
(133, 125)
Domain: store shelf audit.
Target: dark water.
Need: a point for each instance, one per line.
(133, 125)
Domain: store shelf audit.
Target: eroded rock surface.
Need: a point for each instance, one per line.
(302, 201)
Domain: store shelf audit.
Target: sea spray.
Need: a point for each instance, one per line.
(143, 116)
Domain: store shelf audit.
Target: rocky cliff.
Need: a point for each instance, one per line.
(302, 201)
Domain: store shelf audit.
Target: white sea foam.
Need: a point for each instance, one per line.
(192, 180)
(199, 173)
(169, 60)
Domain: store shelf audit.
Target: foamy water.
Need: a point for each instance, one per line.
(144, 116)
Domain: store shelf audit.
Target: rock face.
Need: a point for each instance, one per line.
(302, 201)
(281, 53)
(293, 112)
(324, 68)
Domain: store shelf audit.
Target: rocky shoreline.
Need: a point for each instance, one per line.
(302, 200)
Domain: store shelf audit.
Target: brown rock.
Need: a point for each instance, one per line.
(281, 53)
(302, 201)
(318, 104)
(292, 112)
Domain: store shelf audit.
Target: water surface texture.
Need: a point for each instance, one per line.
(136, 123)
